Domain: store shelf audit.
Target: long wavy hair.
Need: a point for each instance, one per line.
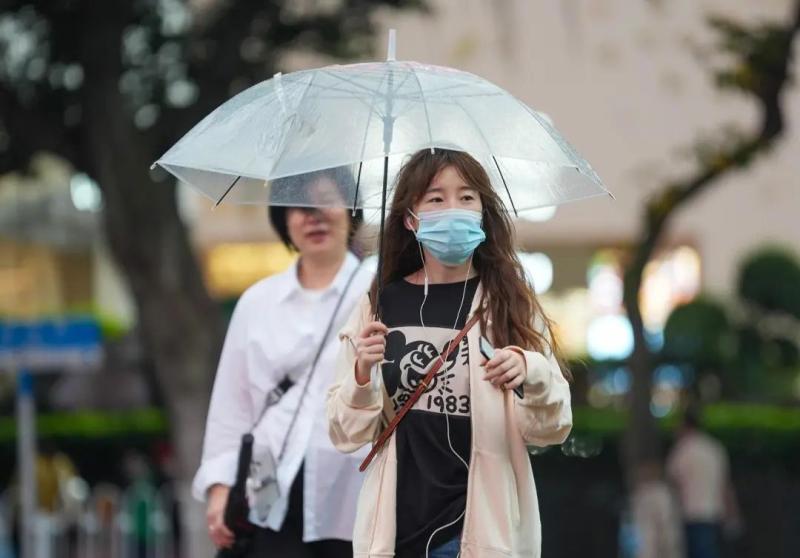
(508, 301)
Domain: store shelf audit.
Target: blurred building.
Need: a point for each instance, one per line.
(628, 83)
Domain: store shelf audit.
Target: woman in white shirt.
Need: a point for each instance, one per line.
(274, 335)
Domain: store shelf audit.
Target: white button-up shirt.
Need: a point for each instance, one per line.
(274, 332)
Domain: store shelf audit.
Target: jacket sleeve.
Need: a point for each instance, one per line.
(354, 411)
(544, 414)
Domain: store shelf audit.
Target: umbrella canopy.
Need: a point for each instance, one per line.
(368, 118)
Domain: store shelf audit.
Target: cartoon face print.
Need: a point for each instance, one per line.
(407, 362)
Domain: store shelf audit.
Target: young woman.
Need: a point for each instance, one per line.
(274, 334)
(455, 477)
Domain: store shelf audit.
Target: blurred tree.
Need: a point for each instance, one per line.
(109, 86)
(770, 280)
(699, 332)
(768, 353)
(759, 66)
(753, 349)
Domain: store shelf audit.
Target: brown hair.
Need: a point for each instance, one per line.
(511, 304)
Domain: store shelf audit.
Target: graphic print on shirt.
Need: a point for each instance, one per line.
(411, 351)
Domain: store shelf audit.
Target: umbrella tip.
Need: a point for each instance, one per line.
(391, 52)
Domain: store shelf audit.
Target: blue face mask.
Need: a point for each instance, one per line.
(450, 235)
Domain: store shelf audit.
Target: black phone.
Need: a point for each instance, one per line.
(488, 353)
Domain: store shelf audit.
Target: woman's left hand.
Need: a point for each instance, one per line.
(506, 370)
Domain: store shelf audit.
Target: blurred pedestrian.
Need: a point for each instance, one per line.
(455, 477)
(275, 333)
(656, 515)
(698, 467)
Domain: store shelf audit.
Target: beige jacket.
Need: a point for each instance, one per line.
(502, 514)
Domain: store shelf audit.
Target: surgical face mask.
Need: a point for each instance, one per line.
(450, 235)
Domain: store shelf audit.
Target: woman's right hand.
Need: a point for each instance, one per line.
(370, 349)
(221, 536)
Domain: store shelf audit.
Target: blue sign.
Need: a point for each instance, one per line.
(71, 344)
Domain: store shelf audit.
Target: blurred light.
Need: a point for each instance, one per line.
(654, 339)
(175, 17)
(78, 489)
(36, 69)
(571, 312)
(621, 380)
(598, 397)
(669, 280)
(252, 49)
(231, 268)
(657, 411)
(539, 268)
(84, 193)
(73, 77)
(669, 375)
(146, 116)
(181, 93)
(609, 337)
(605, 288)
(663, 402)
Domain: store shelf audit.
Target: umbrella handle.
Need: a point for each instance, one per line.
(375, 377)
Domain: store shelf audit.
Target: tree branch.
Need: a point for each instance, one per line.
(769, 82)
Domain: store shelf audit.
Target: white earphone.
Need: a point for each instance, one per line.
(446, 413)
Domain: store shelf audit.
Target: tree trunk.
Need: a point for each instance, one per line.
(641, 443)
(180, 324)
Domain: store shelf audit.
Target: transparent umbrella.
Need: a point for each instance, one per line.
(363, 120)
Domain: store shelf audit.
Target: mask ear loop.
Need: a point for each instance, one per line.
(425, 269)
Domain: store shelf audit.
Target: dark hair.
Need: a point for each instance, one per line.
(510, 302)
(294, 189)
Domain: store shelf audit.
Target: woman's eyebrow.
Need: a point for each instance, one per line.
(439, 189)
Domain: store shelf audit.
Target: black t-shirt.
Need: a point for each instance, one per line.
(431, 480)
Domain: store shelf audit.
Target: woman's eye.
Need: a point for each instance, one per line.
(468, 198)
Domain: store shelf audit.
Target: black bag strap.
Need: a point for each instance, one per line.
(275, 395)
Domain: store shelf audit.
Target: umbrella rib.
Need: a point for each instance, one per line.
(350, 82)
(366, 130)
(489, 149)
(219, 201)
(424, 105)
(358, 183)
(503, 178)
(297, 111)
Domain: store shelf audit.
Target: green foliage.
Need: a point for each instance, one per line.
(170, 62)
(755, 354)
(699, 332)
(757, 54)
(770, 279)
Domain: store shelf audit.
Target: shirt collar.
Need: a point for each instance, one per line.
(291, 284)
